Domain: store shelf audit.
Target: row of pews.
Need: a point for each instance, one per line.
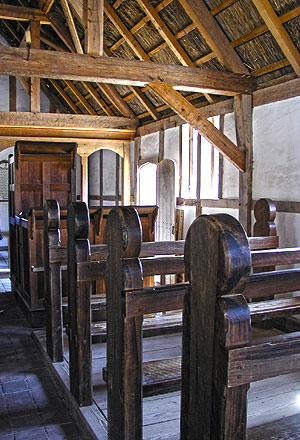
(221, 300)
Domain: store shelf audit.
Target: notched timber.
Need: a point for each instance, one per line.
(56, 65)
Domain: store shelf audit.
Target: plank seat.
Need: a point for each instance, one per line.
(159, 377)
(152, 326)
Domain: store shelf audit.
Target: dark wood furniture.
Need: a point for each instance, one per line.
(220, 357)
(37, 171)
(55, 265)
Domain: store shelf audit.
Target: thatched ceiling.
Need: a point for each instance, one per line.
(241, 22)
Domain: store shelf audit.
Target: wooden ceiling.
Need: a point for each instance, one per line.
(257, 37)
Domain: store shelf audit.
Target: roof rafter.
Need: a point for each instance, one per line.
(280, 34)
(21, 13)
(213, 34)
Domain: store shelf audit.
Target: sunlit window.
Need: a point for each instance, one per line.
(147, 184)
(198, 152)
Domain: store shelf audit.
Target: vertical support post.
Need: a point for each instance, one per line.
(161, 145)
(243, 109)
(198, 188)
(94, 28)
(85, 179)
(137, 152)
(126, 174)
(221, 162)
(35, 83)
(217, 262)
(12, 94)
(79, 305)
(124, 335)
(52, 282)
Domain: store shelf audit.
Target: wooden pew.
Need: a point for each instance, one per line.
(88, 269)
(220, 358)
(55, 260)
(127, 302)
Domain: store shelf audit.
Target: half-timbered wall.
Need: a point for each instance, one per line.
(276, 162)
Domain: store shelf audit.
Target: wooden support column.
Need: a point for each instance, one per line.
(137, 152)
(84, 179)
(161, 145)
(244, 134)
(94, 27)
(198, 188)
(35, 83)
(12, 94)
(126, 175)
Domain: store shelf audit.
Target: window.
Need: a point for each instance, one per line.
(200, 165)
(147, 184)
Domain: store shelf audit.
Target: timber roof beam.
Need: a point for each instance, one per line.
(56, 65)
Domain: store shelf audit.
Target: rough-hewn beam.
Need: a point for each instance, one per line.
(108, 89)
(280, 34)
(94, 29)
(48, 64)
(70, 125)
(46, 5)
(195, 118)
(213, 34)
(244, 134)
(35, 83)
(20, 13)
(71, 26)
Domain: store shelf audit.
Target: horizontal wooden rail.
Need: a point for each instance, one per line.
(275, 308)
(271, 283)
(275, 257)
(264, 359)
(93, 270)
(155, 299)
(149, 249)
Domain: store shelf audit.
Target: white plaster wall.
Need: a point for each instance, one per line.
(277, 150)
(149, 146)
(276, 155)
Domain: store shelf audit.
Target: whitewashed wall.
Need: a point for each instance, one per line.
(276, 139)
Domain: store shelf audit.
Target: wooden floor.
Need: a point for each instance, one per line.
(273, 404)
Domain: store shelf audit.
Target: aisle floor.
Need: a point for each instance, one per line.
(31, 406)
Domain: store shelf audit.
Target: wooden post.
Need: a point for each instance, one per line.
(94, 29)
(137, 152)
(52, 282)
(35, 83)
(79, 305)
(12, 94)
(124, 335)
(126, 175)
(161, 142)
(217, 261)
(85, 179)
(243, 109)
(229, 405)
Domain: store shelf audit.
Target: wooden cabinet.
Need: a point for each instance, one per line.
(37, 171)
